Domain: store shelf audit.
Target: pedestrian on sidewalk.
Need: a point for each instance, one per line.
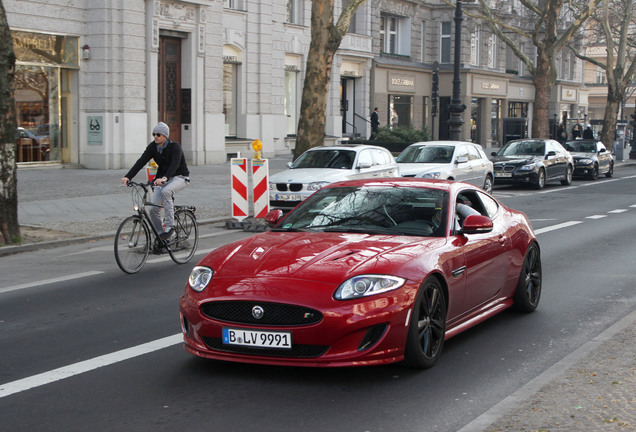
(375, 123)
(172, 176)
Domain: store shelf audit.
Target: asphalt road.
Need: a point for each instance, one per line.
(85, 347)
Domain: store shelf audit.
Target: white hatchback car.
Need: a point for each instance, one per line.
(320, 166)
(447, 160)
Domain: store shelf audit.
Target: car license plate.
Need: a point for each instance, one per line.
(503, 174)
(287, 197)
(257, 338)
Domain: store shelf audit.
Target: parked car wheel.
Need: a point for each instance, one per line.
(568, 176)
(594, 174)
(540, 184)
(428, 326)
(488, 184)
(610, 173)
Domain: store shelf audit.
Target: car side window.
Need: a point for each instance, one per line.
(473, 154)
(462, 151)
(380, 157)
(490, 205)
(365, 158)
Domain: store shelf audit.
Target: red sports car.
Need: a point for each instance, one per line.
(363, 272)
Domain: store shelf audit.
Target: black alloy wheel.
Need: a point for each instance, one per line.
(540, 184)
(427, 329)
(528, 293)
(610, 173)
(594, 174)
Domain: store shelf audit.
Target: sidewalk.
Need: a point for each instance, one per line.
(593, 389)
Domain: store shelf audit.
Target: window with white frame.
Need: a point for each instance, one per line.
(600, 77)
(423, 42)
(291, 99)
(445, 42)
(233, 4)
(492, 51)
(395, 35)
(474, 47)
(294, 11)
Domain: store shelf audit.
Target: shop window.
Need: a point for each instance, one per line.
(291, 100)
(37, 103)
(495, 116)
(400, 110)
(229, 98)
(518, 109)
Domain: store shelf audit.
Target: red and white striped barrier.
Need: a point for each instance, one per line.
(238, 170)
(260, 182)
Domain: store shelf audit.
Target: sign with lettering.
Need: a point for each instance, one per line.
(489, 86)
(47, 49)
(401, 82)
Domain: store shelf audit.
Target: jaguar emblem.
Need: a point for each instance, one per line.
(257, 312)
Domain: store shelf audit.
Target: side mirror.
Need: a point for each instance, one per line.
(493, 153)
(477, 224)
(273, 217)
(461, 159)
(603, 150)
(550, 153)
(289, 164)
(364, 165)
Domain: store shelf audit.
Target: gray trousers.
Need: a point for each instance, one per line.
(163, 196)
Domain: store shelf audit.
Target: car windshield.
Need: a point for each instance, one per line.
(372, 210)
(427, 154)
(519, 148)
(337, 159)
(580, 146)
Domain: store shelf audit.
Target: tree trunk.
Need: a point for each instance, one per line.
(542, 86)
(614, 99)
(9, 225)
(325, 40)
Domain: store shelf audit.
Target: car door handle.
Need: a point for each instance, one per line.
(502, 240)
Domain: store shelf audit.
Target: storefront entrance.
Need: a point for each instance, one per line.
(170, 85)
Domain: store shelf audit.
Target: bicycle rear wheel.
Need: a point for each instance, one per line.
(184, 244)
(132, 244)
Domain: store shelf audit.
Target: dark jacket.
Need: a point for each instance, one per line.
(171, 161)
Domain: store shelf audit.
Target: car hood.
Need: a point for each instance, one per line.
(419, 168)
(310, 175)
(517, 160)
(583, 155)
(321, 257)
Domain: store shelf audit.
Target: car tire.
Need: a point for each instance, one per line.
(427, 328)
(488, 183)
(528, 292)
(540, 184)
(568, 176)
(594, 174)
(610, 173)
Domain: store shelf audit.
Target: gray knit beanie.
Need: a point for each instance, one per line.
(162, 129)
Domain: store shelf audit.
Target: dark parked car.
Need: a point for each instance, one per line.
(533, 162)
(363, 272)
(32, 148)
(591, 158)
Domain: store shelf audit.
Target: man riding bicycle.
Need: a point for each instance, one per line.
(172, 176)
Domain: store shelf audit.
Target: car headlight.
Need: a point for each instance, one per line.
(585, 162)
(200, 278)
(432, 175)
(528, 167)
(316, 185)
(366, 285)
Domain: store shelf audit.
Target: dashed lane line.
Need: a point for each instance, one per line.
(49, 281)
(87, 365)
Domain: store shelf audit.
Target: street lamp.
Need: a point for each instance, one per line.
(632, 152)
(456, 107)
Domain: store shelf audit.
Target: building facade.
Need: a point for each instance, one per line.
(94, 76)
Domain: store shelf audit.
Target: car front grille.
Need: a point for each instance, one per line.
(274, 314)
(289, 187)
(504, 168)
(297, 351)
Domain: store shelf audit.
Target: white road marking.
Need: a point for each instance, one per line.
(49, 281)
(617, 211)
(596, 217)
(87, 365)
(556, 227)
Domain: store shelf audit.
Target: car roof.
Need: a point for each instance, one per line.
(355, 147)
(447, 185)
(446, 143)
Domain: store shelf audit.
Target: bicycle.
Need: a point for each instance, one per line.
(132, 241)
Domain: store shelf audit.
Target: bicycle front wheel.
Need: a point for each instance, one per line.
(132, 244)
(184, 244)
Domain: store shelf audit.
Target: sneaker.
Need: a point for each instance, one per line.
(167, 235)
